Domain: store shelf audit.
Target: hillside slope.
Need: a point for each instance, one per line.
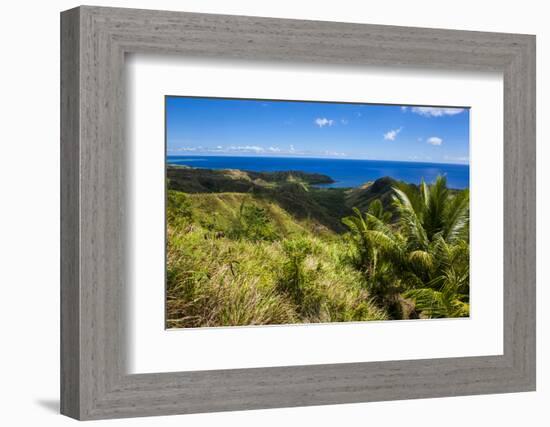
(247, 248)
(241, 259)
(295, 192)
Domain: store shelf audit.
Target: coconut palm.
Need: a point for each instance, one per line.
(379, 253)
(428, 211)
(446, 291)
(423, 258)
(435, 225)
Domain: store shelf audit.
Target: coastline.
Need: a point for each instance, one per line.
(345, 174)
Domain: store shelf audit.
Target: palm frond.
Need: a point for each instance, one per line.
(433, 219)
(456, 216)
(411, 223)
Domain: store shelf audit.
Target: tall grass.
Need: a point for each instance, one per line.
(228, 272)
(250, 259)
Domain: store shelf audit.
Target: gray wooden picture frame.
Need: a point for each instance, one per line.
(94, 381)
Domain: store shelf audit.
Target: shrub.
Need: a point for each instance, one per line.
(293, 278)
(253, 223)
(178, 208)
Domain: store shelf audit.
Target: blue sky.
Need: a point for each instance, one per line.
(229, 127)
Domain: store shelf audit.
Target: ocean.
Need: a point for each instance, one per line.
(346, 172)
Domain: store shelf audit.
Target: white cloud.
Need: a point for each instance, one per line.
(323, 121)
(344, 121)
(457, 159)
(247, 148)
(185, 149)
(334, 154)
(392, 134)
(222, 149)
(434, 140)
(404, 108)
(436, 111)
(251, 150)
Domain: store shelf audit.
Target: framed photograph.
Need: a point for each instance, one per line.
(262, 213)
(339, 218)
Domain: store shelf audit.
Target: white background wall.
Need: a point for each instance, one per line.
(29, 212)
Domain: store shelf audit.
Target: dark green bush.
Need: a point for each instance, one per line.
(178, 208)
(253, 223)
(294, 278)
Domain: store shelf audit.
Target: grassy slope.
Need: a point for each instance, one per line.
(249, 248)
(295, 275)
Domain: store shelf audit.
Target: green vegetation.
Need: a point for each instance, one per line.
(247, 248)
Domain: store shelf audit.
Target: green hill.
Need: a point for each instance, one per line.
(248, 248)
(295, 192)
(197, 180)
(239, 259)
(292, 191)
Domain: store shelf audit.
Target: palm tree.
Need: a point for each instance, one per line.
(446, 291)
(435, 224)
(423, 257)
(430, 211)
(379, 250)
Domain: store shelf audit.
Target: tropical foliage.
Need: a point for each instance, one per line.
(247, 249)
(421, 260)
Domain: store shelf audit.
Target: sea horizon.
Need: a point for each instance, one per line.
(285, 156)
(355, 172)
